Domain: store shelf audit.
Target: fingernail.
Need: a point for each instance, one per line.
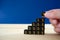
(49, 15)
(57, 29)
(46, 14)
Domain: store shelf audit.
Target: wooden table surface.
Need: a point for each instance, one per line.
(16, 32)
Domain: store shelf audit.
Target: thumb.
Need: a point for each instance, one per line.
(54, 14)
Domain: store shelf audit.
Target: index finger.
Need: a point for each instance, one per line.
(54, 14)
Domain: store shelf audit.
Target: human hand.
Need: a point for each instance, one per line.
(54, 17)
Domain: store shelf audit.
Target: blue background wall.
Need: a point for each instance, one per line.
(25, 11)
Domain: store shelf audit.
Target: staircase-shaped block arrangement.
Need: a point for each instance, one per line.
(37, 27)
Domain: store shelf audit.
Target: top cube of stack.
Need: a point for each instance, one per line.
(39, 20)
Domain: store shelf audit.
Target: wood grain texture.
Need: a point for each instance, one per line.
(17, 33)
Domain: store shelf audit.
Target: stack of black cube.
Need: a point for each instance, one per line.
(37, 27)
